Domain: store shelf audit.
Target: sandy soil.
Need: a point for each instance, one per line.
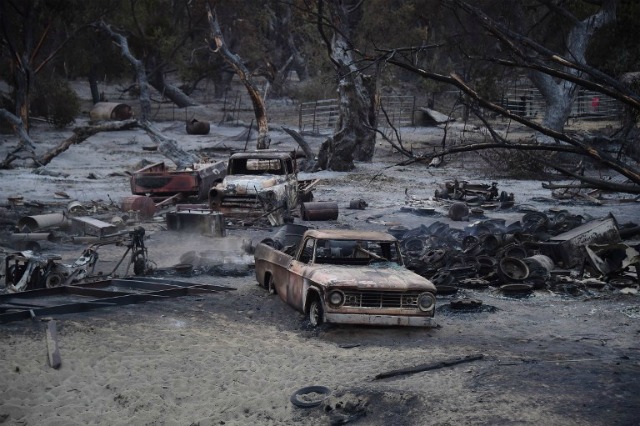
(235, 358)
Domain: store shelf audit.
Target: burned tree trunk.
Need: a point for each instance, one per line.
(217, 44)
(355, 136)
(26, 148)
(168, 90)
(560, 96)
(145, 96)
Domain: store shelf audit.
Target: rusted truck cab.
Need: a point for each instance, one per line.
(257, 183)
(346, 276)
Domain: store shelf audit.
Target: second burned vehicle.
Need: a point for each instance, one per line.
(263, 182)
(345, 276)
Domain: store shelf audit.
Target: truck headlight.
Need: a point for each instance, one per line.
(336, 299)
(426, 302)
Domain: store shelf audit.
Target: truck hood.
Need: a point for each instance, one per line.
(248, 184)
(393, 277)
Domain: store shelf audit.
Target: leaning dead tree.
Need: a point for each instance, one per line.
(168, 147)
(141, 74)
(217, 44)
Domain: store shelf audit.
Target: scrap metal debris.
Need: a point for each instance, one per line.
(28, 270)
(520, 257)
(99, 294)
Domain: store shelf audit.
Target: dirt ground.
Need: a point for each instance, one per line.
(236, 357)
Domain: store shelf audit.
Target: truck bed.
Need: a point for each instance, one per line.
(158, 181)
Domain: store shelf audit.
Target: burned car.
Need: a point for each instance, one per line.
(346, 276)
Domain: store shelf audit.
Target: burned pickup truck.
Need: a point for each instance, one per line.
(346, 276)
(259, 183)
(160, 183)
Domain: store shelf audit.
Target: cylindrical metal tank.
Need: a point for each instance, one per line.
(42, 221)
(319, 211)
(143, 204)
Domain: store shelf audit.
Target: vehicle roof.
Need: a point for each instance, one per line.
(263, 153)
(346, 234)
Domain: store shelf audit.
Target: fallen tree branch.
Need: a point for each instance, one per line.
(80, 134)
(427, 367)
(308, 152)
(169, 147)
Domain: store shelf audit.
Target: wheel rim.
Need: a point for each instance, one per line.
(315, 314)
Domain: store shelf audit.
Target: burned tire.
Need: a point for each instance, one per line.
(139, 263)
(54, 280)
(316, 312)
(322, 391)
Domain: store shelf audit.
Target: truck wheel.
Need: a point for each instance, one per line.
(316, 312)
(54, 280)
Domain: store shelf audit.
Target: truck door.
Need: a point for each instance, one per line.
(296, 286)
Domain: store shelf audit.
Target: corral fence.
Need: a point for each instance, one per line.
(527, 101)
(321, 116)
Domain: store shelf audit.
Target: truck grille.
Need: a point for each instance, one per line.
(381, 299)
(249, 202)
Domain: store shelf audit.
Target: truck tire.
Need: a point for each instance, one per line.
(316, 312)
(53, 280)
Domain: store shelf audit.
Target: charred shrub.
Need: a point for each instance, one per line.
(519, 164)
(56, 101)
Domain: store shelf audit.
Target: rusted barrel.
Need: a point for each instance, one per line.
(195, 127)
(319, 211)
(140, 203)
(110, 111)
(42, 221)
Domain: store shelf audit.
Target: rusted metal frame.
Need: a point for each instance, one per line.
(131, 284)
(119, 299)
(177, 283)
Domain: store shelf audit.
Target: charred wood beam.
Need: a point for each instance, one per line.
(427, 367)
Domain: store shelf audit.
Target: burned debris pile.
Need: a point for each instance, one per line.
(555, 250)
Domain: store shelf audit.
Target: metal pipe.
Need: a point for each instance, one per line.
(34, 236)
(42, 221)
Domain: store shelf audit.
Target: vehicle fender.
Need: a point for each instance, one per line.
(309, 290)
